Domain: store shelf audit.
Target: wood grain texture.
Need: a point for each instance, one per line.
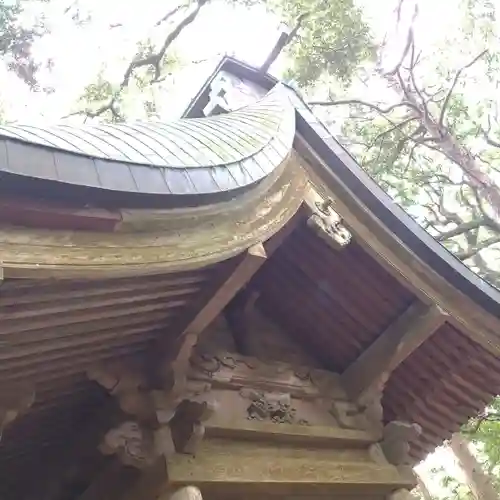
(370, 371)
(171, 241)
(235, 466)
(401, 261)
(299, 435)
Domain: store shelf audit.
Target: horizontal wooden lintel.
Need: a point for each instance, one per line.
(312, 436)
(230, 465)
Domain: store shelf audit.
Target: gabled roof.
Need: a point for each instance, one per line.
(350, 180)
(334, 302)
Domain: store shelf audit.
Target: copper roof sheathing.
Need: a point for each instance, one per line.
(186, 157)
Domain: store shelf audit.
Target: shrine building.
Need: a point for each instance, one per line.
(224, 307)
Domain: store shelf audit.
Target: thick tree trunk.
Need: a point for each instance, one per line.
(479, 482)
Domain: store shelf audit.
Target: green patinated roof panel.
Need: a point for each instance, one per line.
(187, 156)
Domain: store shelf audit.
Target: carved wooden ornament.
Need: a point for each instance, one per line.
(326, 223)
(133, 444)
(166, 421)
(396, 441)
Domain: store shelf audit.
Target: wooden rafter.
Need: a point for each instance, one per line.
(400, 260)
(371, 369)
(252, 261)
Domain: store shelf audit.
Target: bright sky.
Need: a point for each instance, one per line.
(79, 53)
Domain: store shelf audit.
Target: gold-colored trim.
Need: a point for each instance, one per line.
(180, 240)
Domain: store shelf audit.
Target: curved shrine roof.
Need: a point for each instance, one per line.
(187, 156)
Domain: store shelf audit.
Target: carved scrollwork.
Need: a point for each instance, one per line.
(133, 444)
(276, 407)
(205, 363)
(373, 411)
(326, 223)
(167, 420)
(206, 366)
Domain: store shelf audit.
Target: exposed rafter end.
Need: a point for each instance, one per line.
(364, 379)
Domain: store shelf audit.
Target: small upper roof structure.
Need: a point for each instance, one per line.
(115, 239)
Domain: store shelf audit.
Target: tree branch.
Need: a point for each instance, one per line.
(461, 229)
(170, 14)
(410, 39)
(374, 107)
(453, 85)
(395, 127)
(153, 60)
(282, 42)
(471, 252)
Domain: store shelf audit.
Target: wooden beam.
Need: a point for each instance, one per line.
(250, 264)
(252, 261)
(29, 213)
(236, 467)
(320, 436)
(399, 260)
(370, 371)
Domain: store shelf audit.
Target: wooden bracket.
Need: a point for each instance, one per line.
(365, 378)
(396, 441)
(165, 420)
(326, 223)
(140, 445)
(249, 265)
